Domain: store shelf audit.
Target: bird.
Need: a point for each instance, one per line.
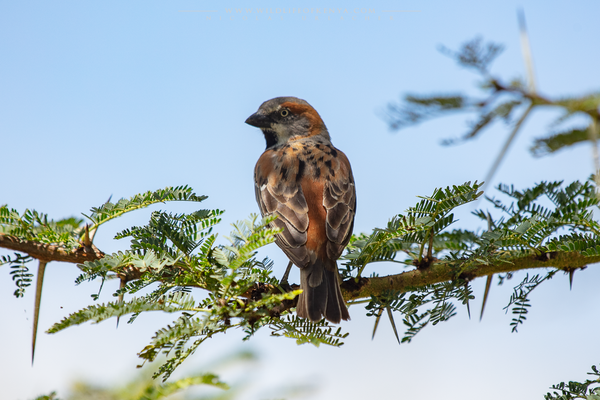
(308, 184)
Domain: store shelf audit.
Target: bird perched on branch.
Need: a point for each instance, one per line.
(307, 183)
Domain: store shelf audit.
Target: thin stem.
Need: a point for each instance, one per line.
(507, 145)
(421, 250)
(430, 248)
(122, 283)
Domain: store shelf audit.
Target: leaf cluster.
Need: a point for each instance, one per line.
(412, 232)
(500, 102)
(179, 252)
(305, 331)
(519, 300)
(35, 226)
(174, 255)
(430, 304)
(140, 389)
(587, 390)
(109, 211)
(537, 224)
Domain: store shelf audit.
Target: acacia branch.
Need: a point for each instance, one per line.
(538, 100)
(51, 252)
(441, 271)
(438, 271)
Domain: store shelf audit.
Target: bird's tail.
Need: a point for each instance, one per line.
(321, 295)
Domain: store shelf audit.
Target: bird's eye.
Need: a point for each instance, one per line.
(284, 113)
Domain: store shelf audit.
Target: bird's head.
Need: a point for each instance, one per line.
(287, 118)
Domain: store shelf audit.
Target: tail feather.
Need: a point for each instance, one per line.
(333, 311)
(315, 276)
(337, 302)
(321, 295)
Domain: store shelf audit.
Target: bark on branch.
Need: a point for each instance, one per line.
(437, 272)
(442, 272)
(50, 252)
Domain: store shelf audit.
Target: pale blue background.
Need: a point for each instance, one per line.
(101, 98)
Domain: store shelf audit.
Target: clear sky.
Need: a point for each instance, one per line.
(101, 98)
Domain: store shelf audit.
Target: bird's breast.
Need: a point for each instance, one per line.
(314, 160)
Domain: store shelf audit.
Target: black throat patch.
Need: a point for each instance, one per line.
(270, 137)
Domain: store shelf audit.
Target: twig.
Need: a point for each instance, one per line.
(507, 144)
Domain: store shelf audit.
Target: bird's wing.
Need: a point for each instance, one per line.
(324, 194)
(278, 195)
(339, 199)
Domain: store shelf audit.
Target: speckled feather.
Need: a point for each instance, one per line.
(308, 171)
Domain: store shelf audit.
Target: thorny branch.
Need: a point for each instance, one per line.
(50, 252)
(438, 271)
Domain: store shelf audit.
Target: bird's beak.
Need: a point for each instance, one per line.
(259, 120)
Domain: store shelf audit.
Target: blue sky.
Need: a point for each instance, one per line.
(119, 97)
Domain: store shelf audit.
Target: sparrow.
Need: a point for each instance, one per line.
(308, 184)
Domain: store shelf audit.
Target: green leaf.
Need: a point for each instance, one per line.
(304, 331)
(558, 141)
(108, 211)
(171, 303)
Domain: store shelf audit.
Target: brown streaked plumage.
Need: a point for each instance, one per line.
(308, 184)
